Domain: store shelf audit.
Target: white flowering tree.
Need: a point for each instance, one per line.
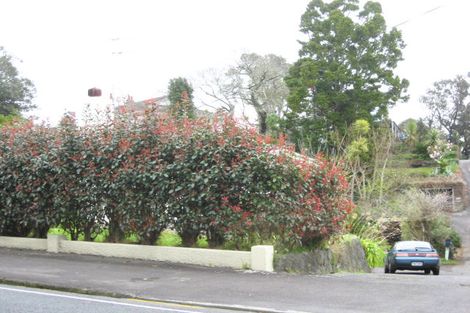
(443, 153)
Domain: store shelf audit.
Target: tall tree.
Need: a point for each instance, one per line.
(180, 94)
(345, 71)
(5, 119)
(220, 90)
(16, 92)
(410, 127)
(448, 103)
(258, 81)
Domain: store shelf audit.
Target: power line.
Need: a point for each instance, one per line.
(424, 13)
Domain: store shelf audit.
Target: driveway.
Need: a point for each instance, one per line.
(461, 221)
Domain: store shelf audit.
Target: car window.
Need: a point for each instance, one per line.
(411, 245)
(423, 248)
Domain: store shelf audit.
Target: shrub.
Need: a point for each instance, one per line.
(421, 151)
(455, 238)
(348, 238)
(445, 156)
(169, 238)
(364, 227)
(27, 178)
(423, 217)
(202, 242)
(139, 174)
(75, 194)
(102, 236)
(369, 231)
(59, 231)
(375, 252)
(131, 238)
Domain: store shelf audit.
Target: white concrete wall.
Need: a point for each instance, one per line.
(260, 258)
(207, 257)
(23, 243)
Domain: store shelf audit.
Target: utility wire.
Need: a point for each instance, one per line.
(425, 13)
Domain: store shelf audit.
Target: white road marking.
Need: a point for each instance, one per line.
(95, 300)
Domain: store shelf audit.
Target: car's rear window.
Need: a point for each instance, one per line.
(417, 246)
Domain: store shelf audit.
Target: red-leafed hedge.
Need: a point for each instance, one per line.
(143, 173)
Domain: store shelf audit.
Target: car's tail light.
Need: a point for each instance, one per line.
(432, 255)
(401, 254)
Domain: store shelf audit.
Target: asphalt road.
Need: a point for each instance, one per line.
(344, 292)
(30, 300)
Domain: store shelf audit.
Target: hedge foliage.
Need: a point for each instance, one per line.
(144, 173)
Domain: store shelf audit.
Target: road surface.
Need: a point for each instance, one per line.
(344, 292)
(30, 300)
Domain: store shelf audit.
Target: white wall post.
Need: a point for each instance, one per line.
(262, 258)
(53, 242)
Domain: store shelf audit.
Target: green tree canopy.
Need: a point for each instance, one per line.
(16, 92)
(180, 94)
(5, 119)
(410, 127)
(449, 106)
(345, 71)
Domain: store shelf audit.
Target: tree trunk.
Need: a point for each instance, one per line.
(262, 122)
(87, 232)
(115, 232)
(74, 233)
(41, 231)
(352, 185)
(214, 238)
(189, 237)
(150, 237)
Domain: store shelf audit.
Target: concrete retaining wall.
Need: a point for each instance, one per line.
(346, 256)
(260, 258)
(23, 243)
(314, 262)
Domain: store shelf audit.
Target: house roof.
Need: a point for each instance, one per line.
(140, 106)
(160, 104)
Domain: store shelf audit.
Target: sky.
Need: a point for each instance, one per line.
(135, 47)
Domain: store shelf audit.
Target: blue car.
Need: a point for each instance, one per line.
(413, 255)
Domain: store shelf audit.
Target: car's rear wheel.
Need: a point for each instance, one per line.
(392, 270)
(386, 269)
(427, 271)
(435, 271)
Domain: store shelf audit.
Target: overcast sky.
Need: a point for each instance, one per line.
(136, 47)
